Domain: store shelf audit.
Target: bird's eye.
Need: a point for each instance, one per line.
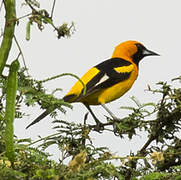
(140, 47)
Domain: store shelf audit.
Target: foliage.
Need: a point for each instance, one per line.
(159, 158)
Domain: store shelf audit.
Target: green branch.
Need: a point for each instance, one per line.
(8, 32)
(66, 74)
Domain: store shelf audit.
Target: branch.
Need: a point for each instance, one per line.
(21, 52)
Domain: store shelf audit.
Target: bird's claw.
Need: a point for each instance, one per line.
(99, 126)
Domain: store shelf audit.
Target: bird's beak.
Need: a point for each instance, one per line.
(147, 52)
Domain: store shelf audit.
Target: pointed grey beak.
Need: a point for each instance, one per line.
(147, 52)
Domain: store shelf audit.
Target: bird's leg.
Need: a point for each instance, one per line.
(110, 113)
(98, 123)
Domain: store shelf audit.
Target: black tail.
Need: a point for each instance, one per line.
(39, 118)
(47, 112)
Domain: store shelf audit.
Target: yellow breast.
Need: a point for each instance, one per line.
(116, 91)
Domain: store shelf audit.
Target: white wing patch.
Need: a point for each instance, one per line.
(103, 79)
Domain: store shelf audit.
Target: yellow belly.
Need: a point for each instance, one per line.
(110, 94)
(115, 92)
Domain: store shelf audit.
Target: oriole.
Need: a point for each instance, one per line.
(108, 80)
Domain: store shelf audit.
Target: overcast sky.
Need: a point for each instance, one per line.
(100, 26)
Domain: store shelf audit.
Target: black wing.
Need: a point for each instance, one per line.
(107, 76)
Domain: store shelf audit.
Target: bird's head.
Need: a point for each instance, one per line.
(132, 51)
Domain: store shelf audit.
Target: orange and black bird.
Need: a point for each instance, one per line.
(108, 80)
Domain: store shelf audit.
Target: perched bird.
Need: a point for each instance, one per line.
(108, 80)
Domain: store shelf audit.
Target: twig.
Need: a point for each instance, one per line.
(30, 5)
(65, 74)
(21, 52)
(23, 16)
(43, 139)
(53, 7)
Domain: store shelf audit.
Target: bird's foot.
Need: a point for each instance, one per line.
(114, 121)
(99, 126)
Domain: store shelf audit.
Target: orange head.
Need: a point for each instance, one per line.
(132, 51)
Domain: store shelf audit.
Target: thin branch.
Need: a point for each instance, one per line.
(29, 4)
(53, 7)
(43, 139)
(65, 74)
(21, 52)
(24, 16)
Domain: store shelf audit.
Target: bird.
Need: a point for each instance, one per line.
(108, 80)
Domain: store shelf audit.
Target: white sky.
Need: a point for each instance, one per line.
(100, 26)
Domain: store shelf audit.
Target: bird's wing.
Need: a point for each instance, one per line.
(111, 72)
